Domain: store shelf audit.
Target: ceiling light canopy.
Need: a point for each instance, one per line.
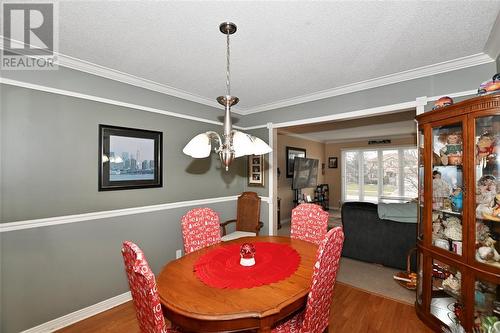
(233, 143)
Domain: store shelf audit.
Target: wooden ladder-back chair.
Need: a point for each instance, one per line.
(247, 219)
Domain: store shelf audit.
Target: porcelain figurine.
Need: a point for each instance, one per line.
(453, 231)
(451, 153)
(453, 283)
(491, 86)
(484, 148)
(456, 200)
(442, 102)
(485, 195)
(440, 189)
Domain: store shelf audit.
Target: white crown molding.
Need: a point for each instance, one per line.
(492, 47)
(103, 100)
(58, 220)
(119, 76)
(390, 137)
(112, 74)
(74, 94)
(79, 315)
(443, 67)
(299, 136)
(385, 109)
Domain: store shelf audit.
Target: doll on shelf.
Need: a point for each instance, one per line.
(451, 153)
(485, 195)
(440, 190)
(456, 199)
(485, 146)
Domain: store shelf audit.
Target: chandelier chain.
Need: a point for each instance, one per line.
(228, 70)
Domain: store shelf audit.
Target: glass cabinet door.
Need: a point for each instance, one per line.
(446, 296)
(447, 187)
(420, 275)
(486, 306)
(420, 175)
(487, 198)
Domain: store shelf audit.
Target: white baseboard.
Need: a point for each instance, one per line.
(79, 315)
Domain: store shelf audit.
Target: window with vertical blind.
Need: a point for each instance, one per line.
(388, 174)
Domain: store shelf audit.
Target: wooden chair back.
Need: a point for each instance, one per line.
(248, 212)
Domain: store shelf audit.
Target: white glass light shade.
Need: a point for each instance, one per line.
(242, 144)
(199, 146)
(259, 147)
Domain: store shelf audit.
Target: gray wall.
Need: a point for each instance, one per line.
(262, 191)
(445, 83)
(50, 150)
(48, 272)
(84, 83)
(498, 64)
(67, 267)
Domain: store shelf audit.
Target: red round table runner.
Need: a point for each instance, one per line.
(220, 268)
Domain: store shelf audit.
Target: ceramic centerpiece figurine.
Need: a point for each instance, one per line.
(442, 102)
(247, 254)
(451, 153)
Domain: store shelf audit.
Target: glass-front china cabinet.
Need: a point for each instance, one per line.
(459, 216)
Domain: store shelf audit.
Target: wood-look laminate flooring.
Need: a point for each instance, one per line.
(353, 310)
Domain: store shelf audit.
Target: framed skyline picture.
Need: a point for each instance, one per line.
(291, 153)
(129, 158)
(256, 170)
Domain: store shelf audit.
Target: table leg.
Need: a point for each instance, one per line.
(264, 330)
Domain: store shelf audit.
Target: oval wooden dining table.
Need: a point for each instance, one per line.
(196, 307)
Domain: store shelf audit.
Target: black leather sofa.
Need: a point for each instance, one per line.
(371, 239)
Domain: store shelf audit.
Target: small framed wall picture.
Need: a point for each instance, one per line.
(332, 162)
(256, 170)
(129, 158)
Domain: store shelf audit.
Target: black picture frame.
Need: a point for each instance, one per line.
(291, 153)
(332, 162)
(135, 181)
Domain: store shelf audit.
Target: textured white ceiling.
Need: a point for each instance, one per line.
(281, 50)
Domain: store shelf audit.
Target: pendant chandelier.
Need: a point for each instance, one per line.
(233, 143)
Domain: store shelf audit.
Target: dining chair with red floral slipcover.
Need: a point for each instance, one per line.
(309, 223)
(142, 285)
(314, 319)
(200, 228)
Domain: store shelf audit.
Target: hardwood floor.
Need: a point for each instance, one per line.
(353, 310)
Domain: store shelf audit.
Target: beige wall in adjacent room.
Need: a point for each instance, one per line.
(314, 150)
(333, 176)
